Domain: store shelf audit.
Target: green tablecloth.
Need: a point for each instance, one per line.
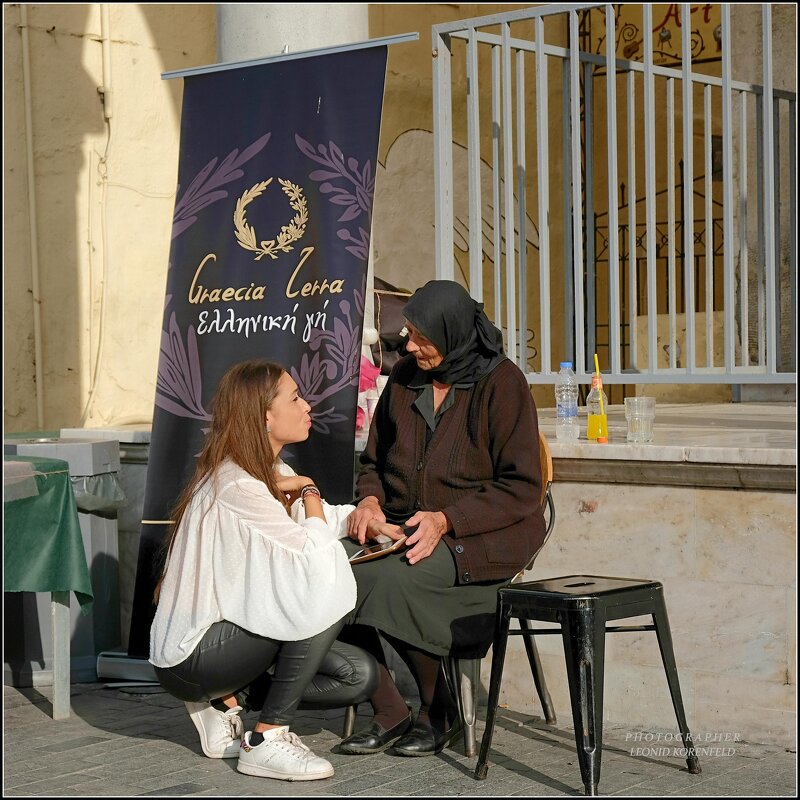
(42, 541)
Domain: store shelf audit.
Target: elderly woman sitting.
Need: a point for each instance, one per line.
(452, 455)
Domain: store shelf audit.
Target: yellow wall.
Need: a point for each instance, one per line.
(104, 193)
(404, 208)
(103, 203)
(404, 205)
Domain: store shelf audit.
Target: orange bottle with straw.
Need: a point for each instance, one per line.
(596, 402)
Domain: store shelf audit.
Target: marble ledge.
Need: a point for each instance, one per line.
(738, 434)
(753, 435)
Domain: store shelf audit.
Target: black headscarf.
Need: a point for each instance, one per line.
(444, 312)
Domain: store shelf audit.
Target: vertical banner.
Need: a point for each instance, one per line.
(270, 246)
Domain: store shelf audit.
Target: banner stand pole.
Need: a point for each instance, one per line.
(318, 51)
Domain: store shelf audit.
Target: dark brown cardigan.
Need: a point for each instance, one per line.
(481, 468)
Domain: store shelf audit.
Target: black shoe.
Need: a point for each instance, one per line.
(373, 738)
(423, 740)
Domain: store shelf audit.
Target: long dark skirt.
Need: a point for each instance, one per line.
(421, 604)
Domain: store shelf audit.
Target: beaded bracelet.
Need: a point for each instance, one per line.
(309, 489)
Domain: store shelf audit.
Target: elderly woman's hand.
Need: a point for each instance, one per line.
(368, 510)
(431, 526)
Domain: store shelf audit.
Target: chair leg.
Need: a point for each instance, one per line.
(349, 721)
(498, 658)
(464, 676)
(661, 622)
(584, 649)
(538, 675)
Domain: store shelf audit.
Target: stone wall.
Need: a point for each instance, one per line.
(727, 562)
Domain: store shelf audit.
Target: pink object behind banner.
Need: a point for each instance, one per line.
(367, 380)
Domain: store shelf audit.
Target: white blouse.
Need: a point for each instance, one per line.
(238, 556)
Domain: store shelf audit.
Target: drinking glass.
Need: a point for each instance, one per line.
(640, 412)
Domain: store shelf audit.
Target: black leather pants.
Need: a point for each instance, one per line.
(276, 677)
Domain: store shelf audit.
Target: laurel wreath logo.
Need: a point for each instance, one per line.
(289, 234)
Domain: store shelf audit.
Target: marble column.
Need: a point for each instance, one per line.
(260, 30)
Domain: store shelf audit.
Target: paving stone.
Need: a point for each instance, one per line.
(118, 744)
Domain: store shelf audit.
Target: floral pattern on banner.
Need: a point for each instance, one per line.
(355, 195)
(334, 365)
(179, 386)
(203, 190)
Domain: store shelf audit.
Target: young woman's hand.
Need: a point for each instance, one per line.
(367, 511)
(291, 485)
(376, 529)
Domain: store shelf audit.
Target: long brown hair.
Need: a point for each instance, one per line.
(239, 432)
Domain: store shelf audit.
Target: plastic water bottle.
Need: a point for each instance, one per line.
(566, 404)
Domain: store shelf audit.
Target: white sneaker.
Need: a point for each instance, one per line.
(220, 731)
(283, 756)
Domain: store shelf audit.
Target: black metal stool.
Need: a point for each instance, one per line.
(582, 604)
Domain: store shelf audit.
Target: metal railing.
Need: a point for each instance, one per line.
(701, 220)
